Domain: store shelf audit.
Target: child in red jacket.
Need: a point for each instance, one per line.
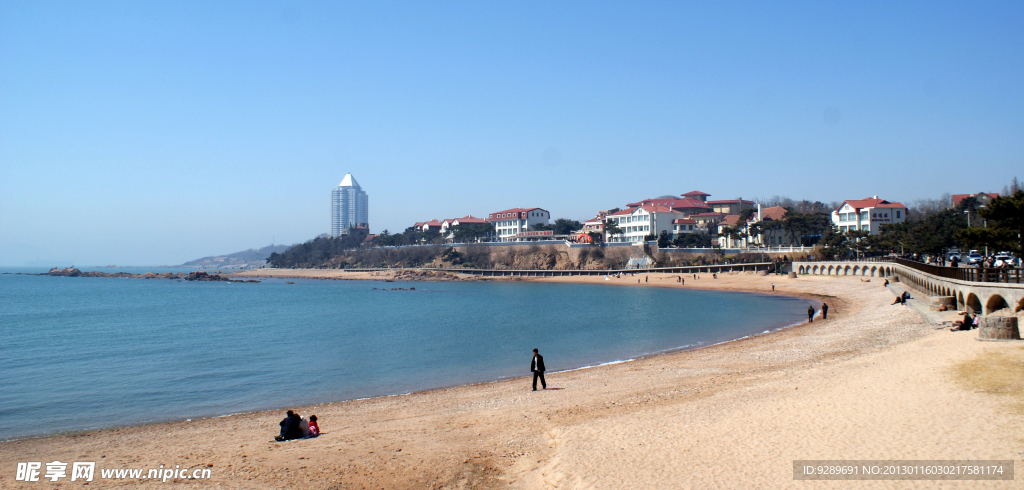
(314, 428)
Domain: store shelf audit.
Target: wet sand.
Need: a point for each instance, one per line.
(871, 382)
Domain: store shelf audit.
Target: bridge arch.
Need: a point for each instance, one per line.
(829, 270)
(874, 270)
(1020, 306)
(973, 304)
(995, 303)
(846, 271)
(960, 305)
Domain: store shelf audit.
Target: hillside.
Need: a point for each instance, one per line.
(244, 259)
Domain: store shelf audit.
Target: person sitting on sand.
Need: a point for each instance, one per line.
(898, 300)
(304, 427)
(964, 324)
(290, 427)
(314, 427)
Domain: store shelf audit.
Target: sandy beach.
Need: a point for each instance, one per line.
(873, 381)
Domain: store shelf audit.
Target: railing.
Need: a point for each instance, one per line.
(971, 274)
(865, 259)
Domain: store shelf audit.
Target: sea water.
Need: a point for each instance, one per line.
(82, 353)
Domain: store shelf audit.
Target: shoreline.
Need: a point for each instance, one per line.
(857, 386)
(568, 279)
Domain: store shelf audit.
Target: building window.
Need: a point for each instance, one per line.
(897, 214)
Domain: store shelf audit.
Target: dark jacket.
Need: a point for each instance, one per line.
(290, 427)
(537, 364)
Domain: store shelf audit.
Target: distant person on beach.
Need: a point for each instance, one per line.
(314, 427)
(824, 311)
(537, 368)
(899, 299)
(810, 314)
(290, 427)
(886, 284)
(645, 278)
(905, 296)
(773, 287)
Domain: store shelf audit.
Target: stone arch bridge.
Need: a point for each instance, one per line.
(975, 290)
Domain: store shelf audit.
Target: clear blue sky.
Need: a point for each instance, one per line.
(157, 132)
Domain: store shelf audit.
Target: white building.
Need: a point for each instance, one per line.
(348, 207)
(511, 222)
(868, 215)
(636, 223)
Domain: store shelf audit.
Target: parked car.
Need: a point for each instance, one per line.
(1006, 259)
(974, 258)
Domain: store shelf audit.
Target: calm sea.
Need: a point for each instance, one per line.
(83, 353)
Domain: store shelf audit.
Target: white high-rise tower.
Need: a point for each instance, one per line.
(348, 207)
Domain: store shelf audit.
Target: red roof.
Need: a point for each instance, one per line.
(683, 203)
(871, 202)
(519, 212)
(731, 220)
(686, 221)
(696, 193)
(657, 209)
(468, 219)
(773, 213)
(960, 197)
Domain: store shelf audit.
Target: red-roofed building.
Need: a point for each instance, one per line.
(641, 221)
(511, 222)
(983, 198)
(429, 225)
(868, 214)
(698, 195)
(685, 205)
(595, 224)
(469, 219)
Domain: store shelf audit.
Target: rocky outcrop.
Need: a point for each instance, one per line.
(73, 272)
(414, 275)
(204, 276)
(192, 276)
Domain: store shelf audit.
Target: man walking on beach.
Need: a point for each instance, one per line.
(810, 314)
(537, 368)
(824, 311)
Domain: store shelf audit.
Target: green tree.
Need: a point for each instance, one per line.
(472, 232)
(663, 239)
(563, 226)
(1003, 226)
(833, 243)
(612, 228)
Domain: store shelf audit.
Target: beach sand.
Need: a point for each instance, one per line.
(871, 382)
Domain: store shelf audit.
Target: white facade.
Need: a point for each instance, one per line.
(511, 222)
(639, 222)
(868, 215)
(348, 207)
